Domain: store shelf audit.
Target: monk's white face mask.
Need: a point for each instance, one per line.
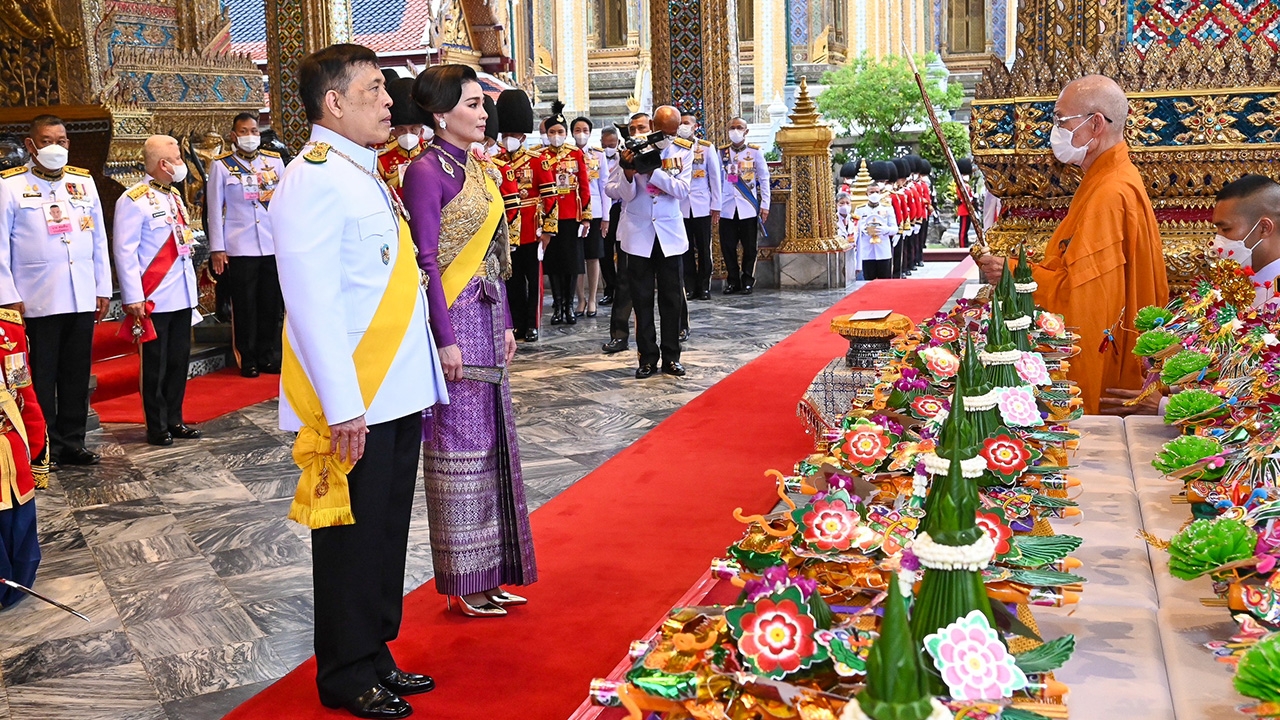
(1239, 250)
(1060, 143)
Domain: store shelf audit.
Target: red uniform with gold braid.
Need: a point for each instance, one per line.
(565, 186)
(393, 160)
(24, 460)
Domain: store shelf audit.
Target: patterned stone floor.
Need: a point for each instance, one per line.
(198, 588)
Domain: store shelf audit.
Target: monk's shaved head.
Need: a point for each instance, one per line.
(1096, 94)
(1249, 210)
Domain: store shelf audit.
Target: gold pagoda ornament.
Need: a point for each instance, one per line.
(805, 144)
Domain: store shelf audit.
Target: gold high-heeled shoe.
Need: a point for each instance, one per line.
(502, 597)
(489, 609)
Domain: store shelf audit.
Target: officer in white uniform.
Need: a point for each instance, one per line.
(55, 270)
(337, 240)
(241, 183)
(651, 233)
(152, 232)
(701, 210)
(876, 225)
(746, 206)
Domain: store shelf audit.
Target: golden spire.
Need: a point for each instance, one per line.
(805, 113)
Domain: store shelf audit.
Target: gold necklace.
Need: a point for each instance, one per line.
(447, 163)
(395, 199)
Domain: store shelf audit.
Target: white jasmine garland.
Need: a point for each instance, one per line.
(978, 403)
(1026, 288)
(1002, 357)
(853, 711)
(973, 557)
(919, 485)
(970, 468)
(906, 582)
(1021, 323)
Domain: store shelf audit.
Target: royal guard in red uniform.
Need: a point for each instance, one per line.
(24, 460)
(901, 211)
(524, 287)
(923, 169)
(406, 141)
(562, 174)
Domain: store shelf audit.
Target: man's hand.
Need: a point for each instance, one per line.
(604, 228)
(715, 216)
(584, 228)
(346, 439)
(103, 304)
(991, 267)
(138, 310)
(451, 362)
(1113, 402)
(509, 340)
(545, 241)
(764, 216)
(20, 306)
(219, 260)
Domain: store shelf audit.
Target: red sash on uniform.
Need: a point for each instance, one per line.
(141, 330)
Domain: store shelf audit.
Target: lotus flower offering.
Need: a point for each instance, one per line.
(897, 578)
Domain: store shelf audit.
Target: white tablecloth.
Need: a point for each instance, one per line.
(1140, 632)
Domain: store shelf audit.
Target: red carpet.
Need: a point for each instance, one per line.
(620, 546)
(208, 396)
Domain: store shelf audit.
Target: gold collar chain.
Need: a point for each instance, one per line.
(396, 204)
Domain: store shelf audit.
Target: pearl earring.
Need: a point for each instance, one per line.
(443, 124)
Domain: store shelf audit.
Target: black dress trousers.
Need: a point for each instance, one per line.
(61, 348)
(255, 309)
(736, 232)
(608, 271)
(358, 570)
(660, 274)
(524, 290)
(164, 370)
(620, 311)
(697, 261)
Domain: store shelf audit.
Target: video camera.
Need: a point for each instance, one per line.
(648, 156)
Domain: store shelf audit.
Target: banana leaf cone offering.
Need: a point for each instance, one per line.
(951, 547)
(1024, 283)
(897, 687)
(1016, 321)
(1000, 353)
(977, 406)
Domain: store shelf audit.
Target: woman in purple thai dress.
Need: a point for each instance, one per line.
(480, 538)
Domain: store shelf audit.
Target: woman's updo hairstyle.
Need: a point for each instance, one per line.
(438, 89)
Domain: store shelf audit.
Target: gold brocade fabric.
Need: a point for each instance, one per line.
(467, 211)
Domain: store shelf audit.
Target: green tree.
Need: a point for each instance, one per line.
(957, 135)
(879, 97)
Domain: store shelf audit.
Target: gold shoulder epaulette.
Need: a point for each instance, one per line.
(224, 155)
(317, 154)
(137, 191)
(14, 171)
(726, 146)
(704, 141)
(269, 153)
(753, 145)
(79, 171)
(686, 144)
(11, 316)
(593, 148)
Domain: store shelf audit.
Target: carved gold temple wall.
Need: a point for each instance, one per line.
(1203, 111)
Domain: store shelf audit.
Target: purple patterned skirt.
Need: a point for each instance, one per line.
(480, 537)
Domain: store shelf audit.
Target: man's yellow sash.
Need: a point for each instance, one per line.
(323, 498)
(459, 272)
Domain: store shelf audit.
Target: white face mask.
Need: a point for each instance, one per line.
(843, 210)
(248, 143)
(492, 150)
(610, 152)
(873, 198)
(544, 139)
(52, 157)
(1060, 142)
(685, 131)
(427, 133)
(582, 139)
(737, 136)
(511, 143)
(179, 172)
(409, 141)
(1238, 250)
(556, 140)
(664, 143)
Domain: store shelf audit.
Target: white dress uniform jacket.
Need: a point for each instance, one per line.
(598, 175)
(750, 165)
(336, 240)
(652, 204)
(239, 192)
(876, 225)
(146, 215)
(707, 183)
(52, 272)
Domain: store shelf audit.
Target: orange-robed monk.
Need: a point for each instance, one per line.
(1104, 261)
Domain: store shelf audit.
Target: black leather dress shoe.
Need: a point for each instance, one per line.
(607, 299)
(407, 683)
(684, 335)
(614, 346)
(164, 439)
(249, 371)
(730, 289)
(79, 456)
(673, 368)
(706, 295)
(531, 336)
(184, 432)
(691, 295)
(271, 368)
(518, 334)
(746, 289)
(644, 371)
(376, 702)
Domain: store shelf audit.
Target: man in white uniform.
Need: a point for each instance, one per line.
(58, 275)
(360, 372)
(745, 206)
(241, 183)
(700, 210)
(1247, 216)
(152, 244)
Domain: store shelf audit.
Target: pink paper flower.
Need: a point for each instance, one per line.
(830, 525)
(865, 445)
(973, 662)
(940, 361)
(1031, 369)
(944, 333)
(927, 407)
(1018, 407)
(1006, 455)
(1051, 324)
(992, 522)
(776, 635)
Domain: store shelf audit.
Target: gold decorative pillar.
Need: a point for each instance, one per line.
(695, 58)
(810, 255)
(295, 29)
(571, 57)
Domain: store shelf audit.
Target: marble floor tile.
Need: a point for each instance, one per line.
(165, 590)
(65, 656)
(32, 621)
(183, 633)
(132, 520)
(216, 668)
(263, 528)
(131, 553)
(109, 493)
(284, 615)
(213, 705)
(125, 692)
(282, 551)
(270, 584)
